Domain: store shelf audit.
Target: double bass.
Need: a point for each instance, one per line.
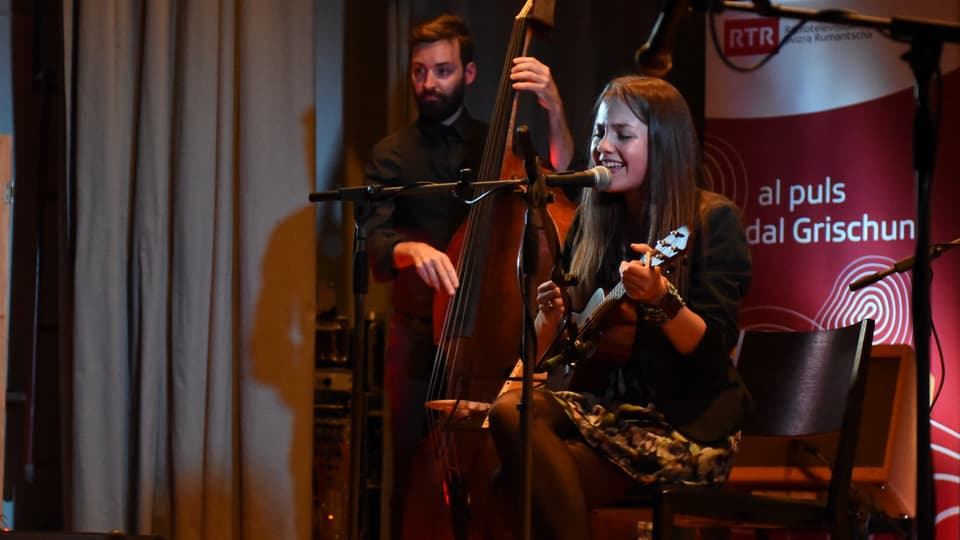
(478, 330)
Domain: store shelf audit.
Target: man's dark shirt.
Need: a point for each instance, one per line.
(419, 151)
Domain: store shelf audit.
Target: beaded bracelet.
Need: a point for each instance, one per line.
(666, 309)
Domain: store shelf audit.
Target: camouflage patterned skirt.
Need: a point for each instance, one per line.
(640, 441)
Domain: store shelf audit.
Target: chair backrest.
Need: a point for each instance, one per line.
(809, 384)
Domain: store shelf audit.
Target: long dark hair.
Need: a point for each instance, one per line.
(674, 172)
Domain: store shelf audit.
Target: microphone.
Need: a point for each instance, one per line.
(599, 178)
(902, 265)
(654, 57)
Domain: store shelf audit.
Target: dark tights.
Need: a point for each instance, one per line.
(569, 477)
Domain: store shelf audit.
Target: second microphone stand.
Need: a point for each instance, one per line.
(536, 220)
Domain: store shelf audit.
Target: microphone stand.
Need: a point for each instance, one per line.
(364, 198)
(358, 408)
(926, 39)
(903, 265)
(536, 198)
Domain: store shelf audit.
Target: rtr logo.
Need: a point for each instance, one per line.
(742, 37)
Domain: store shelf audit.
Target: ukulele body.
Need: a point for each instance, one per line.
(601, 336)
(606, 346)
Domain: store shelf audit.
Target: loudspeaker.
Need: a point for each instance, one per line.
(885, 468)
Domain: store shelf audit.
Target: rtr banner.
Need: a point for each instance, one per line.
(816, 147)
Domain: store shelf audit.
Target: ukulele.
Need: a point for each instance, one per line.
(602, 326)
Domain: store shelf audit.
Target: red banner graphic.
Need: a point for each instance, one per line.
(817, 149)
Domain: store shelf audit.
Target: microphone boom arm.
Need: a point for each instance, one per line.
(903, 265)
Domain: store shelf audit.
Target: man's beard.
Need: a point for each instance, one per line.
(443, 107)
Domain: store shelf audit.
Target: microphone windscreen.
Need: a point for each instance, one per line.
(603, 177)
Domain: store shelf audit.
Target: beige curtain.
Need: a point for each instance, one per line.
(192, 125)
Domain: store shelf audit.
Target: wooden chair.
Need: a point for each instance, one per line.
(805, 386)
